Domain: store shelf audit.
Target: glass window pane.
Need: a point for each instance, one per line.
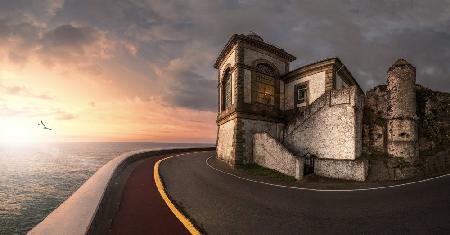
(264, 86)
(301, 93)
(227, 92)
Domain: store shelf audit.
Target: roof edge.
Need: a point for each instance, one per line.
(341, 68)
(259, 44)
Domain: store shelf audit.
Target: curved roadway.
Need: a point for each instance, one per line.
(223, 204)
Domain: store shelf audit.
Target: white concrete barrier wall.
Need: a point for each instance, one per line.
(75, 215)
(269, 153)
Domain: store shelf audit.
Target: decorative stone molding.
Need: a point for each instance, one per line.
(256, 43)
(330, 65)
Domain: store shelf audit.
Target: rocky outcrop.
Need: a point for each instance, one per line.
(433, 110)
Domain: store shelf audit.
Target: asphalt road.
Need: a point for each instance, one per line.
(222, 204)
(142, 210)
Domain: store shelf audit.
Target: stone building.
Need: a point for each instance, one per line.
(311, 116)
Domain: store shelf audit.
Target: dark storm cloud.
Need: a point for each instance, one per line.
(69, 36)
(70, 44)
(367, 35)
(35, 8)
(193, 91)
(22, 37)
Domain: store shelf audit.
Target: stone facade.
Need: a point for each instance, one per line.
(316, 83)
(402, 136)
(226, 141)
(375, 121)
(405, 126)
(433, 110)
(251, 127)
(433, 121)
(270, 153)
(329, 128)
(319, 110)
(242, 55)
(342, 169)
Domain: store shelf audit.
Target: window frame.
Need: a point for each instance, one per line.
(227, 94)
(296, 94)
(264, 76)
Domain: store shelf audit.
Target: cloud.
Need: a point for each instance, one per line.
(185, 83)
(61, 115)
(167, 48)
(33, 111)
(75, 44)
(19, 37)
(68, 45)
(23, 91)
(33, 8)
(193, 91)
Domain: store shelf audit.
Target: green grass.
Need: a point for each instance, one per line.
(254, 169)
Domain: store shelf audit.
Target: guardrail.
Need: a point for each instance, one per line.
(75, 215)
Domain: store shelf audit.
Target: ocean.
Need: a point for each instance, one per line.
(35, 179)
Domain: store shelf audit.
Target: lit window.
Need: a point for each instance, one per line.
(264, 85)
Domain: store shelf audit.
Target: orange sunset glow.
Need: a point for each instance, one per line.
(143, 70)
(84, 105)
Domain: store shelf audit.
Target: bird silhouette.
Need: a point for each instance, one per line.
(45, 127)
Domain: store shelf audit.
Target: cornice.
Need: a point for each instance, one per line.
(259, 44)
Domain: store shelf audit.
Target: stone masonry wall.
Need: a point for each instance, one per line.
(249, 127)
(225, 141)
(374, 121)
(269, 153)
(433, 127)
(342, 169)
(433, 111)
(402, 137)
(316, 83)
(328, 128)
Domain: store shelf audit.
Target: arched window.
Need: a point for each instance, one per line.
(263, 91)
(226, 90)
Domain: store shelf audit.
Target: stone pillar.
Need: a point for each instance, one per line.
(402, 136)
(239, 140)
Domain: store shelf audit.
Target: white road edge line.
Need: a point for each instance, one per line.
(322, 190)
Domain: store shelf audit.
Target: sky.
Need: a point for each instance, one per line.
(142, 70)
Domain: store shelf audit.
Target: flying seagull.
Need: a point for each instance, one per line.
(45, 128)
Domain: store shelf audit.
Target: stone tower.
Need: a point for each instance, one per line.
(402, 136)
(250, 94)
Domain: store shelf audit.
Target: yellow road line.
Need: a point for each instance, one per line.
(183, 219)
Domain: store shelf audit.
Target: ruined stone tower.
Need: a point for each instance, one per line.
(402, 136)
